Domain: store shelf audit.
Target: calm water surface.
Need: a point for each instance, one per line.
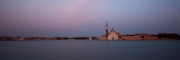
(89, 50)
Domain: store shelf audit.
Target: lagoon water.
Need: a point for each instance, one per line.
(89, 50)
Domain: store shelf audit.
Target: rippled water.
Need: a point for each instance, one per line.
(89, 50)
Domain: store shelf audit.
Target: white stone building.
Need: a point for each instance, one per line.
(113, 35)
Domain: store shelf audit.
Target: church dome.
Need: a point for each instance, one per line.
(113, 30)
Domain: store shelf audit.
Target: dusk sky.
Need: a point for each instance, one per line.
(73, 18)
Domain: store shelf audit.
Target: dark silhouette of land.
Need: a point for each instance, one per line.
(161, 36)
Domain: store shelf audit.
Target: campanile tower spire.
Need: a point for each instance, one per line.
(106, 29)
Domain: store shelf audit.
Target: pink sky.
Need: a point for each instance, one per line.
(88, 17)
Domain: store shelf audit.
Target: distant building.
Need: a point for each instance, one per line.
(38, 38)
(103, 37)
(140, 36)
(6, 38)
(18, 38)
(27, 38)
(113, 35)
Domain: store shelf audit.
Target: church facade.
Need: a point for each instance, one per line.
(112, 35)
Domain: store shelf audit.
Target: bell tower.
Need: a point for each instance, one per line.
(106, 29)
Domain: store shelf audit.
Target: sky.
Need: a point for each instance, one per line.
(73, 18)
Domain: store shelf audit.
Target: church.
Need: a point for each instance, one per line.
(112, 35)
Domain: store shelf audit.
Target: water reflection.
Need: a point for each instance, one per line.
(91, 50)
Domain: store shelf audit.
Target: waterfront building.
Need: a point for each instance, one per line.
(6, 38)
(18, 38)
(139, 36)
(38, 38)
(27, 38)
(112, 35)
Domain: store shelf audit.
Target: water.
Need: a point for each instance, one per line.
(89, 50)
